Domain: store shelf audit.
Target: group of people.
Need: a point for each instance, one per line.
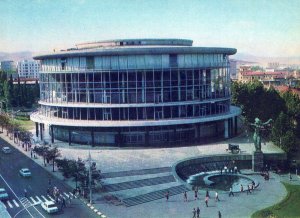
(55, 192)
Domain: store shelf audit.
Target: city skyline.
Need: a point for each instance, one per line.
(263, 28)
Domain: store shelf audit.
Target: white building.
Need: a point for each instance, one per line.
(28, 69)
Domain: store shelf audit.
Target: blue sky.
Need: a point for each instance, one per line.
(258, 27)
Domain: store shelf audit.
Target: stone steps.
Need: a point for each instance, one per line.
(140, 199)
(138, 183)
(136, 172)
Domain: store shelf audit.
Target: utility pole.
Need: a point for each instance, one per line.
(90, 176)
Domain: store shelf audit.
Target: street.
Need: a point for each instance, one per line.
(19, 205)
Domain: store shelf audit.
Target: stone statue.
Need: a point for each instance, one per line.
(259, 126)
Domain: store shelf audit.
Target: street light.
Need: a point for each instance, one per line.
(90, 177)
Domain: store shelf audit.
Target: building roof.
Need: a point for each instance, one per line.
(259, 73)
(146, 46)
(284, 88)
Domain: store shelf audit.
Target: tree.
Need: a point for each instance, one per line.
(282, 133)
(256, 101)
(37, 91)
(52, 154)
(257, 68)
(292, 102)
(42, 151)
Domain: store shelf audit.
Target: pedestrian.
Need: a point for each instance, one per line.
(231, 192)
(198, 212)
(249, 189)
(206, 201)
(185, 196)
(194, 213)
(219, 214)
(63, 202)
(31, 153)
(25, 193)
(196, 194)
(217, 196)
(167, 196)
(235, 169)
(290, 175)
(69, 198)
(242, 188)
(207, 194)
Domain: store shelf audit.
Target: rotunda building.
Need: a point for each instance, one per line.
(136, 92)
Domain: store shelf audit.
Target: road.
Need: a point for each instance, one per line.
(20, 206)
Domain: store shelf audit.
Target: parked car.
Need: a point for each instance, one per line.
(6, 150)
(49, 206)
(25, 172)
(3, 194)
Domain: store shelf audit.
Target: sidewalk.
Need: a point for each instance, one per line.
(49, 167)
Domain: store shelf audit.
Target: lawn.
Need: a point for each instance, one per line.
(25, 122)
(289, 207)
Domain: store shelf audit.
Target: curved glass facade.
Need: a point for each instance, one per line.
(145, 84)
(135, 95)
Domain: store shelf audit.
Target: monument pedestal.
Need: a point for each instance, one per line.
(257, 161)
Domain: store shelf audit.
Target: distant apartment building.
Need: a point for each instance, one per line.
(28, 69)
(8, 66)
(267, 78)
(233, 69)
(273, 65)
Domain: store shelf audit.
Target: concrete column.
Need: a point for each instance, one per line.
(69, 137)
(235, 125)
(41, 131)
(37, 129)
(118, 138)
(216, 128)
(93, 137)
(52, 134)
(226, 129)
(147, 136)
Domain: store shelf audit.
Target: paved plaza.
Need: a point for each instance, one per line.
(136, 173)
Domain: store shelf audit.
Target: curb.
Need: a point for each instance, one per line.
(96, 211)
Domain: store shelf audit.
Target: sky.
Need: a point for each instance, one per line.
(265, 28)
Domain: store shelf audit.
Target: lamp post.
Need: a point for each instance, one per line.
(90, 177)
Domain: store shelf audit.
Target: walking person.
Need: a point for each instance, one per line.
(207, 194)
(167, 196)
(194, 213)
(198, 212)
(242, 188)
(196, 194)
(231, 192)
(290, 176)
(249, 190)
(206, 201)
(69, 199)
(219, 214)
(25, 193)
(185, 196)
(217, 196)
(63, 202)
